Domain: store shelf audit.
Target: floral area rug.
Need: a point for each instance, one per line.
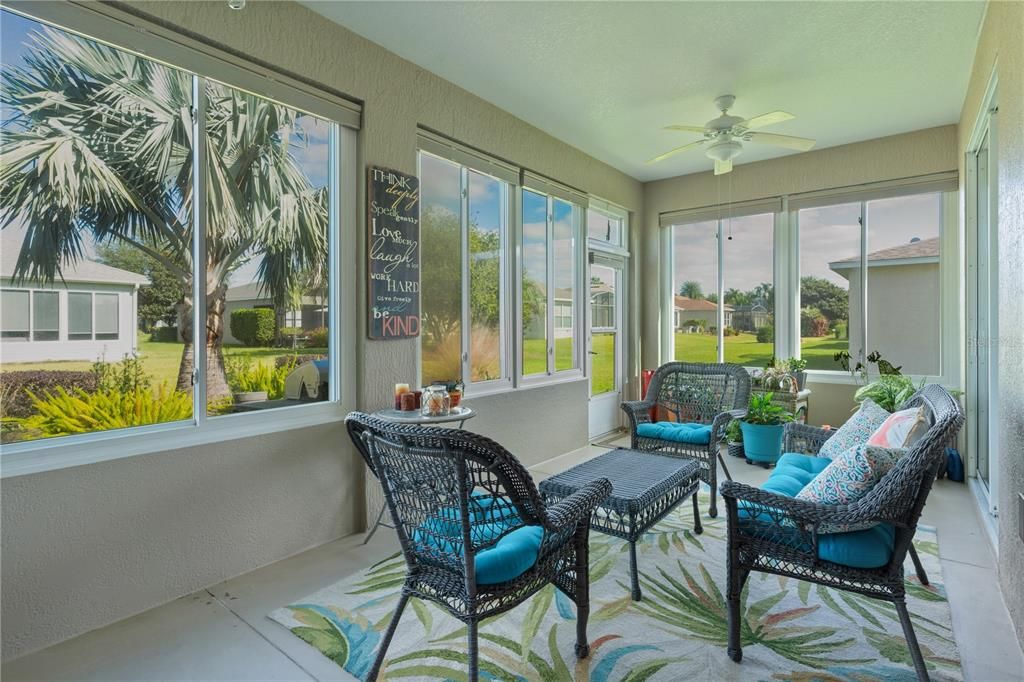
(792, 630)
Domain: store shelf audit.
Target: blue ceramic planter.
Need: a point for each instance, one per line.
(762, 443)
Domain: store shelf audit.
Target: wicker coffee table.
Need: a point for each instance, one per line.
(645, 487)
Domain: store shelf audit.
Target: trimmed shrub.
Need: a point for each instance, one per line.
(317, 338)
(296, 360)
(253, 326)
(839, 329)
(813, 323)
(15, 387)
(164, 335)
(766, 334)
(61, 413)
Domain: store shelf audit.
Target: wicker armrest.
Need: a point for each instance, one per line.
(721, 421)
(638, 411)
(805, 439)
(580, 505)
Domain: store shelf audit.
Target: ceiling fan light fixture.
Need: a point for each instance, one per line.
(724, 150)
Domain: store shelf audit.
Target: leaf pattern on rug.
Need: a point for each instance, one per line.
(791, 630)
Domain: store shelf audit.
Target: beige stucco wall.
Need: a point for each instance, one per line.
(1001, 46)
(903, 315)
(87, 546)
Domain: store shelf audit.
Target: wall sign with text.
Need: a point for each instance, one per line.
(393, 254)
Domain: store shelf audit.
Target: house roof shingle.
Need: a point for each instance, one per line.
(686, 303)
(84, 270)
(923, 248)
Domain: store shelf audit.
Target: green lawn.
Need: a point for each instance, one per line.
(745, 350)
(534, 355)
(161, 360)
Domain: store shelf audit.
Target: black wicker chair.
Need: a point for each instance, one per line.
(454, 495)
(780, 535)
(699, 393)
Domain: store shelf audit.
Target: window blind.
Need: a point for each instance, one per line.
(720, 212)
(438, 145)
(539, 183)
(922, 184)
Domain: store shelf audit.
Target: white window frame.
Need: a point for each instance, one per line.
(466, 164)
(949, 327)
(28, 314)
(553, 375)
(125, 31)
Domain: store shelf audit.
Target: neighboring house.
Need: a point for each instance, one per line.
(903, 318)
(748, 318)
(687, 309)
(89, 312)
(311, 314)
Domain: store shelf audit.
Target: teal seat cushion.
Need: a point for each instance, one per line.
(869, 548)
(491, 517)
(677, 432)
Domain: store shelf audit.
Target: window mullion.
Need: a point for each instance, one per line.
(863, 281)
(466, 326)
(199, 211)
(721, 294)
(549, 252)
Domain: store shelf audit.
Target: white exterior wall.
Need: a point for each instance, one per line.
(110, 350)
(903, 315)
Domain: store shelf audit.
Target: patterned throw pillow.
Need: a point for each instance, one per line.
(901, 429)
(848, 478)
(855, 431)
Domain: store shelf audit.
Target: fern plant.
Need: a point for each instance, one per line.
(60, 413)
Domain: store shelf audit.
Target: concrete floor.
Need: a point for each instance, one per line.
(222, 633)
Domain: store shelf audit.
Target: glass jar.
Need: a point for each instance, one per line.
(435, 401)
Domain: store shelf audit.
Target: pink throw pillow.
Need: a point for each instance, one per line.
(900, 430)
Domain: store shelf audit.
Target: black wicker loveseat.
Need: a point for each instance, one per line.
(773, 533)
(477, 537)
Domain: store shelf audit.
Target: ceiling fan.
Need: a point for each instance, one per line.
(723, 135)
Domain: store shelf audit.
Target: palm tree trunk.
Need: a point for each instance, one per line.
(216, 378)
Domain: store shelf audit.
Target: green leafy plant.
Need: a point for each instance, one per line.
(733, 432)
(61, 413)
(124, 376)
(253, 326)
(762, 410)
(766, 334)
(888, 391)
(246, 376)
(796, 364)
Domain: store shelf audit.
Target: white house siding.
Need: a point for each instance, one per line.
(903, 315)
(111, 350)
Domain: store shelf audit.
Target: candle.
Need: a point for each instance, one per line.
(408, 402)
(399, 390)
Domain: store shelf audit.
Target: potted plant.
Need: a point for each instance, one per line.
(762, 429)
(734, 439)
(797, 367)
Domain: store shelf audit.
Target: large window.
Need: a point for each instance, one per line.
(117, 171)
(729, 313)
(463, 226)
(550, 254)
(829, 252)
(869, 282)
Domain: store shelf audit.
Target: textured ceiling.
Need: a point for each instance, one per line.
(606, 77)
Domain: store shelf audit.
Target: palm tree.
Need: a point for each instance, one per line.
(691, 289)
(100, 145)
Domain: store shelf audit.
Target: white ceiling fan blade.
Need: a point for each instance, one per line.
(723, 167)
(788, 141)
(671, 152)
(688, 129)
(768, 119)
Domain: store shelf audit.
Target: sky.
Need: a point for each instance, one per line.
(827, 234)
(312, 155)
